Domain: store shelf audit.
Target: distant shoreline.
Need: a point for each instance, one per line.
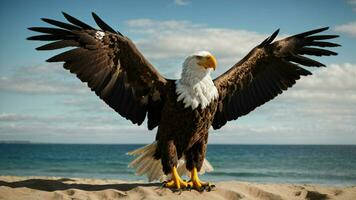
(16, 142)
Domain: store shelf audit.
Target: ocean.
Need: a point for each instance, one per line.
(307, 164)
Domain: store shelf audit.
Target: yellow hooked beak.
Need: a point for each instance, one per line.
(208, 62)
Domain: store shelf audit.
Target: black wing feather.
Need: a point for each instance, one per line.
(77, 22)
(322, 44)
(102, 24)
(61, 24)
(49, 37)
(50, 30)
(316, 52)
(305, 61)
(58, 45)
(312, 32)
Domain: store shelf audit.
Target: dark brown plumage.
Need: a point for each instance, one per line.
(119, 74)
(183, 131)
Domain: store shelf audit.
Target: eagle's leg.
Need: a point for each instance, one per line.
(195, 158)
(176, 182)
(169, 164)
(196, 183)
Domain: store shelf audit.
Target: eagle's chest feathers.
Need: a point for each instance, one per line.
(195, 91)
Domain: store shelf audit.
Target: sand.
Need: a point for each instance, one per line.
(55, 188)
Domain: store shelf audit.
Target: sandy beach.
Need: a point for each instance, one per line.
(55, 188)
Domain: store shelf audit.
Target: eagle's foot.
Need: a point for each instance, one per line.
(176, 183)
(195, 182)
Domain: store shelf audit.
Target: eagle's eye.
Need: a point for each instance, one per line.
(199, 57)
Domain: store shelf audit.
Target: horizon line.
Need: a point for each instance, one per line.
(75, 143)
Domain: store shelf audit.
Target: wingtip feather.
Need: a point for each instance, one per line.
(64, 14)
(76, 21)
(311, 32)
(269, 39)
(67, 16)
(323, 28)
(274, 35)
(50, 60)
(102, 24)
(94, 14)
(44, 19)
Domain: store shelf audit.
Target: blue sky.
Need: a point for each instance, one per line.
(42, 102)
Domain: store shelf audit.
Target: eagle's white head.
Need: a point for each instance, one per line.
(195, 87)
(199, 64)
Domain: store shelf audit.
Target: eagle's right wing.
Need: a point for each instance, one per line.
(266, 71)
(110, 64)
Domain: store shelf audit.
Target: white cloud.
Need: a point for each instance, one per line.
(335, 83)
(71, 129)
(42, 79)
(329, 96)
(175, 40)
(182, 2)
(10, 117)
(349, 28)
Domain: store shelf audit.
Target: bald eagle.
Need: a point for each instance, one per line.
(183, 109)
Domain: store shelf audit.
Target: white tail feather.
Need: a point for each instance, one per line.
(207, 167)
(145, 163)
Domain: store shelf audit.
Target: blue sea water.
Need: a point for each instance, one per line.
(320, 164)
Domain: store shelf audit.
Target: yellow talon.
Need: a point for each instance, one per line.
(176, 182)
(195, 181)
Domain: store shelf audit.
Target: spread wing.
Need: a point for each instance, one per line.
(266, 71)
(110, 64)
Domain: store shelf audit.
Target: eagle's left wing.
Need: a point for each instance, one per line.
(266, 71)
(110, 64)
